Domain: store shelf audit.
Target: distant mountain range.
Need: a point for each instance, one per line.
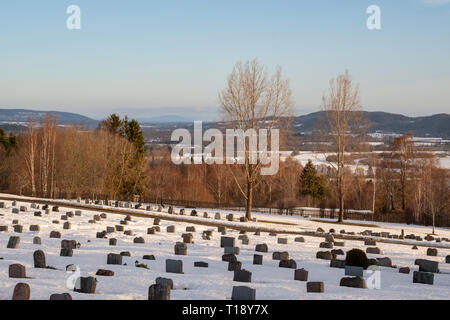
(19, 117)
(437, 125)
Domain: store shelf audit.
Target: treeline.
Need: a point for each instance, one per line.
(112, 162)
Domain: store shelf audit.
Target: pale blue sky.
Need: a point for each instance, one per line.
(149, 58)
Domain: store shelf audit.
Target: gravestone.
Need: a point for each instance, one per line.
(37, 214)
(326, 245)
(3, 228)
(301, 275)
(101, 235)
(180, 249)
(112, 242)
(35, 227)
(190, 229)
(280, 255)
(234, 265)
(242, 276)
(13, 243)
(261, 248)
(39, 259)
(36, 240)
(170, 229)
(374, 250)
(227, 242)
(353, 282)
(86, 285)
(243, 293)
(62, 296)
(427, 265)
(200, 264)
(222, 229)
(182, 212)
(21, 292)
(338, 252)
(110, 229)
(148, 257)
(354, 271)
(230, 217)
(447, 259)
(114, 258)
(104, 273)
(174, 266)
(205, 215)
(315, 287)
(217, 216)
(138, 240)
(291, 264)
(384, 262)
(18, 228)
(229, 257)
(66, 252)
(404, 270)
(159, 292)
(233, 250)
(432, 252)
(257, 259)
(282, 241)
(156, 221)
(369, 242)
(151, 231)
(299, 239)
(69, 244)
(128, 232)
(17, 271)
(335, 263)
(120, 228)
(125, 254)
(15, 210)
(78, 213)
(423, 277)
(325, 255)
(67, 225)
(187, 237)
(194, 213)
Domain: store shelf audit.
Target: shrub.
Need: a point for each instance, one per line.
(357, 258)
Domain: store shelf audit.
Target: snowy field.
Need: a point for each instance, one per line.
(215, 282)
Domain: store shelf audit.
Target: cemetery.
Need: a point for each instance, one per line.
(144, 251)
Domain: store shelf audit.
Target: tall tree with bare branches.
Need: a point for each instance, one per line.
(254, 100)
(344, 118)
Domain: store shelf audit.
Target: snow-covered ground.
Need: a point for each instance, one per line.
(214, 282)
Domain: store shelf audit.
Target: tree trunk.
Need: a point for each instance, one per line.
(249, 204)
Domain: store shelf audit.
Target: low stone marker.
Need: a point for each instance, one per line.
(187, 237)
(427, 265)
(384, 262)
(291, 264)
(69, 244)
(61, 296)
(338, 252)
(261, 248)
(101, 235)
(110, 229)
(194, 213)
(3, 228)
(423, 277)
(174, 266)
(55, 234)
(222, 229)
(112, 242)
(230, 217)
(301, 275)
(182, 212)
(120, 228)
(128, 232)
(35, 227)
(104, 273)
(86, 285)
(114, 258)
(447, 259)
(148, 257)
(257, 259)
(18, 228)
(205, 215)
(354, 271)
(299, 239)
(227, 242)
(432, 252)
(15, 210)
(353, 282)
(374, 250)
(38, 214)
(200, 264)
(229, 257)
(156, 221)
(151, 231)
(335, 263)
(17, 271)
(67, 225)
(138, 240)
(180, 249)
(190, 229)
(282, 240)
(13, 242)
(234, 265)
(280, 255)
(217, 216)
(315, 287)
(242, 276)
(170, 229)
(21, 292)
(159, 292)
(243, 293)
(78, 213)
(404, 270)
(369, 242)
(39, 259)
(66, 252)
(325, 255)
(233, 250)
(36, 240)
(326, 245)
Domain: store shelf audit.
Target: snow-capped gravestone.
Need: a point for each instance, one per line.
(230, 217)
(110, 229)
(17, 271)
(13, 242)
(243, 293)
(39, 259)
(326, 245)
(114, 258)
(15, 210)
(21, 292)
(174, 266)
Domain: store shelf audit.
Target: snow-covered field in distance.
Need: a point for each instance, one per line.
(215, 282)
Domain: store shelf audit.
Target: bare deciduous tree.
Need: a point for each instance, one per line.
(344, 118)
(253, 101)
